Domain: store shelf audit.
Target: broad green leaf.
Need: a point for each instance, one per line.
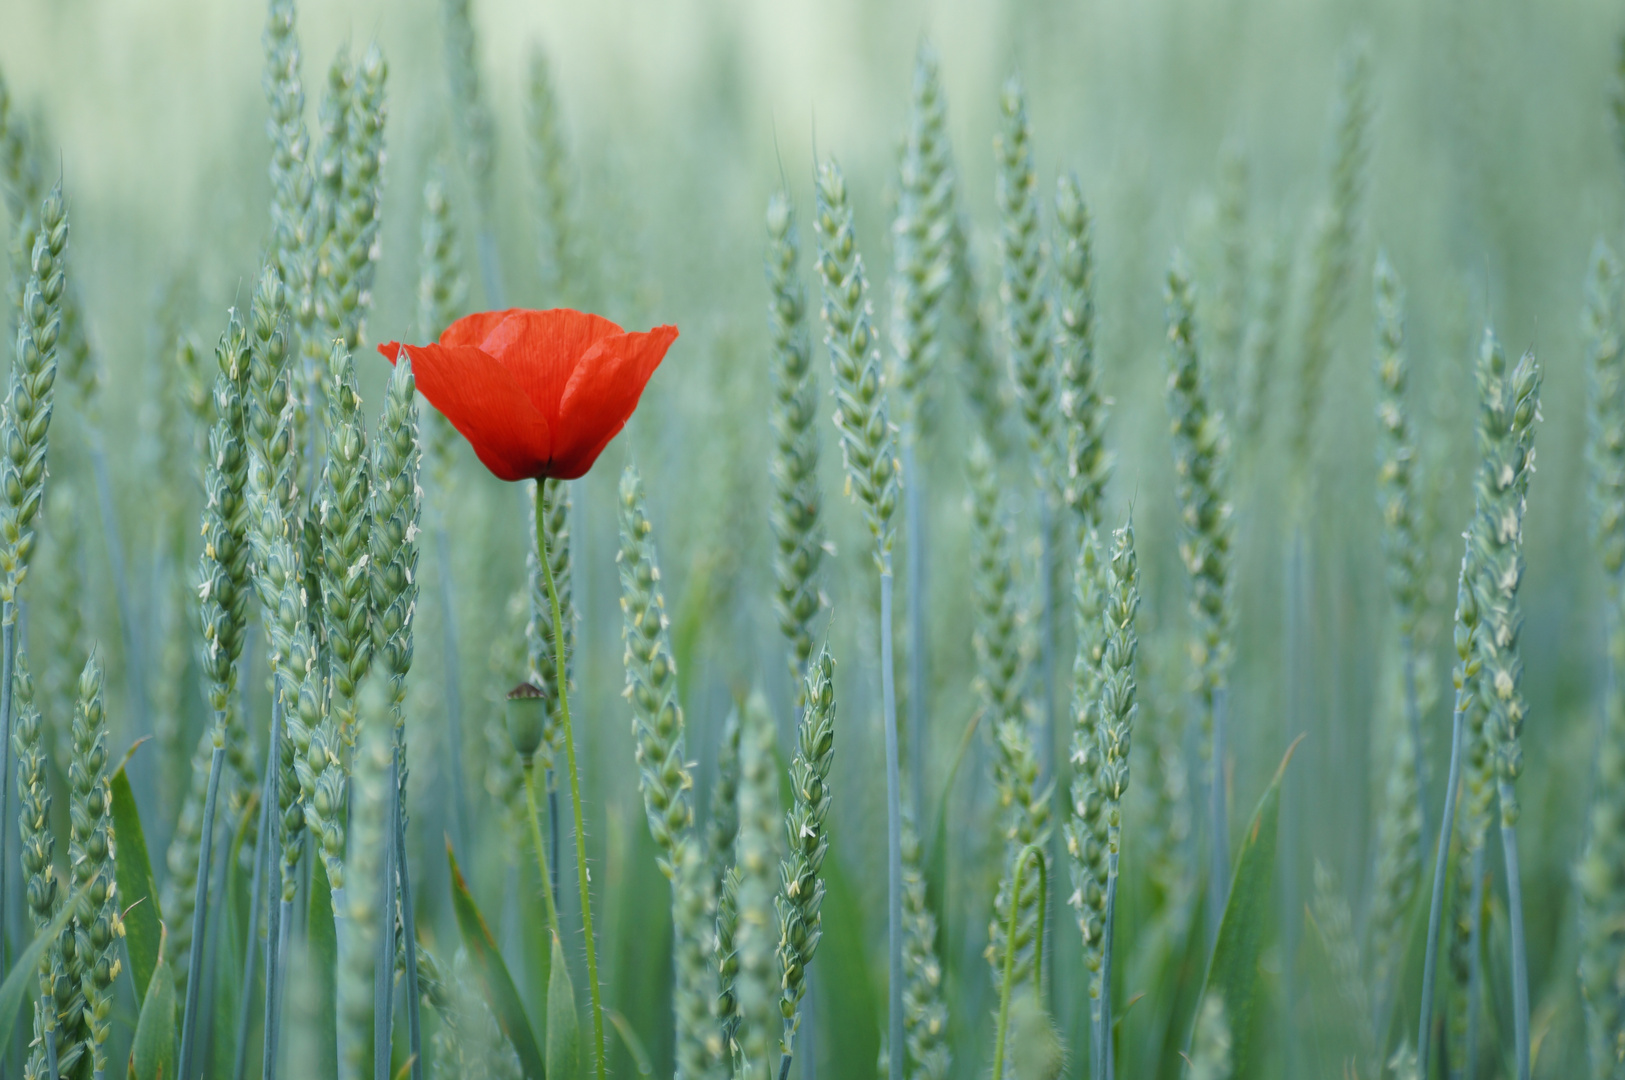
(500, 992)
(1232, 974)
(563, 1023)
(634, 1045)
(21, 981)
(848, 1008)
(138, 891)
(324, 958)
(152, 1054)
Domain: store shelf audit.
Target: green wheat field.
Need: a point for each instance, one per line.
(1121, 575)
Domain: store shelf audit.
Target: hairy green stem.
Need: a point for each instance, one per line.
(1033, 854)
(200, 910)
(894, 831)
(575, 795)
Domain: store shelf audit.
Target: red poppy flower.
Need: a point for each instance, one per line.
(537, 393)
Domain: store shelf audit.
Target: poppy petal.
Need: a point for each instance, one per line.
(601, 395)
(472, 329)
(542, 348)
(483, 402)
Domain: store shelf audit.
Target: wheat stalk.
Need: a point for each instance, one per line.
(1201, 446)
(794, 466)
(757, 986)
(475, 129)
(97, 923)
(1597, 874)
(862, 416)
(550, 184)
(801, 890)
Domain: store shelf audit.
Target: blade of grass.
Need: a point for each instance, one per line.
(500, 992)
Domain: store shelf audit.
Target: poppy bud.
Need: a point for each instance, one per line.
(527, 720)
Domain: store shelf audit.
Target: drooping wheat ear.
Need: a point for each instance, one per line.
(1261, 345)
(550, 181)
(982, 382)
(358, 945)
(1088, 465)
(291, 181)
(1023, 289)
(395, 505)
(1229, 317)
(1085, 828)
(351, 259)
(1400, 817)
(97, 925)
(868, 445)
(651, 680)
(26, 420)
(1003, 656)
(1210, 1049)
(1333, 252)
(921, 232)
(473, 117)
(1600, 874)
(801, 891)
(346, 601)
(925, 1018)
(539, 642)
(797, 497)
(223, 566)
(757, 1040)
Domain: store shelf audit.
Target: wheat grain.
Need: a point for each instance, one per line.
(1088, 464)
(926, 1016)
(794, 467)
(756, 1039)
(97, 923)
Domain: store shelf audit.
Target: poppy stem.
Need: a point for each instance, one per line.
(575, 790)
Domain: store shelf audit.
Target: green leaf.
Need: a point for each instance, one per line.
(21, 980)
(229, 946)
(849, 1011)
(324, 958)
(563, 1023)
(138, 891)
(1233, 974)
(152, 1054)
(500, 992)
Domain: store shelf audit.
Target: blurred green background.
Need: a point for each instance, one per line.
(1494, 165)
